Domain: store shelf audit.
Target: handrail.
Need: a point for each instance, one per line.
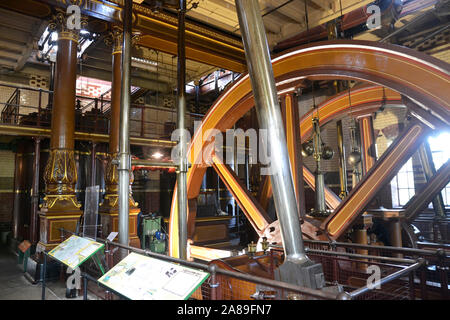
(41, 115)
(356, 293)
(11, 106)
(356, 255)
(353, 255)
(25, 88)
(387, 248)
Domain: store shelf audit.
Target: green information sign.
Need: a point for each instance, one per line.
(139, 277)
(75, 250)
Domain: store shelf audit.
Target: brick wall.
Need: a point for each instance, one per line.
(389, 117)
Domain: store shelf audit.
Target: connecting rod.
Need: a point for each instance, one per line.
(297, 268)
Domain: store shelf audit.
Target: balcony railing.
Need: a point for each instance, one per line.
(32, 107)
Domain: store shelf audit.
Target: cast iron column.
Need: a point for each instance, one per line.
(269, 115)
(60, 175)
(183, 166)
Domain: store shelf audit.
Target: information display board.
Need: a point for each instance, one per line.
(75, 250)
(138, 277)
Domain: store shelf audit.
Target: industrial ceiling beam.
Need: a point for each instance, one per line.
(203, 43)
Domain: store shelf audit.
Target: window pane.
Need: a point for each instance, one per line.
(403, 196)
(402, 180)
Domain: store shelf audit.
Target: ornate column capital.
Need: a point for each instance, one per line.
(64, 25)
(115, 39)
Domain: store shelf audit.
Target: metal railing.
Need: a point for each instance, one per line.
(10, 110)
(30, 107)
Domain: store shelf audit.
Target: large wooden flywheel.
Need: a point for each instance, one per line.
(407, 73)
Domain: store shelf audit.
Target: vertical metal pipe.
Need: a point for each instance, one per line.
(247, 170)
(18, 185)
(85, 287)
(235, 167)
(342, 163)
(142, 121)
(93, 164)
(39, 108)
(361, 238)
(320, 205)
(35, 191)
(216, 82)
(43, 275)
(197, 98)
(51, 83)
(355, 156)
(181, 102)
(412, 294)
(213, 281)
(396, 236)
(269, 114)
(124, 143)
(429, 171)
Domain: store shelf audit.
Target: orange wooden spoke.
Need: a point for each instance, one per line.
(265, 193)
(367, 141)
(249, 205)
(381, 173)
(291, 119)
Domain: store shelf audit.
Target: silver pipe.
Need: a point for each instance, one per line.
(124, 166)
(342, 163)
(319, 206)
(183, 166)
(152, 163)
(269, 116)
(352, 255)
(429, 171)
(359, 256)
(365, 246)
